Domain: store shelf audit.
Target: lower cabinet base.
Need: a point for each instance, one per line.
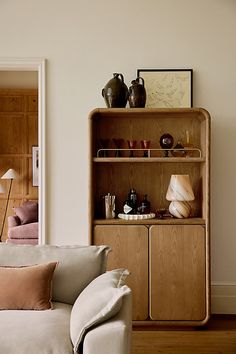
(169, 269)
(169, 325)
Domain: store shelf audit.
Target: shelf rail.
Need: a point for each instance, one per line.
(100, 152)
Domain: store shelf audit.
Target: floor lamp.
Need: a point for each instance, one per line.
(10, 174)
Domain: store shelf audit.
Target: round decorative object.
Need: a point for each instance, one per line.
(166, 142)
(115, 92)
(136, 216)
(180, 209)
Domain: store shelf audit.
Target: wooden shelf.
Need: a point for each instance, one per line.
(149, 159)
(166, 221)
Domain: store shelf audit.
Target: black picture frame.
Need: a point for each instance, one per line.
(168, 88)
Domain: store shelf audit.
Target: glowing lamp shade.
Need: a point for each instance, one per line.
(180, 192)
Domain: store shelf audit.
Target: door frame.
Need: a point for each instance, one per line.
(35, 64)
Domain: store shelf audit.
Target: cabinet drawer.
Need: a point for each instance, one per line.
(177, 273)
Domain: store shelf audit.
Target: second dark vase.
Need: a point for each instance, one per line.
(137, 94)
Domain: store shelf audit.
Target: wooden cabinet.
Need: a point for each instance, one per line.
(168, 258)
(129, 249)
(177, 273)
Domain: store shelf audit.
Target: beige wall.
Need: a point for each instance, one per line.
(84, 42)
(18, 79)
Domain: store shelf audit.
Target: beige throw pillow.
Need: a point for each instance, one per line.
(99, 301)
(26, 288)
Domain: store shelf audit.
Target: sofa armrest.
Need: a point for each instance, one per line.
(29, 231)
(103, 299)
(13, 220)
(114, 335)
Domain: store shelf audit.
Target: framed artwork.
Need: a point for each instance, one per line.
(168, 88)
(35, 166)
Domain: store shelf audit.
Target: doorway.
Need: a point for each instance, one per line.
(23, 81)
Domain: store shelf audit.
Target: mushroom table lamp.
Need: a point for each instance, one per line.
(180, 192)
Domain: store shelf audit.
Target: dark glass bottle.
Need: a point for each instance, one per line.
(130, 205)
(144, 206)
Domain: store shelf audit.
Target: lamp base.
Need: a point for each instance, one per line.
(180, 209)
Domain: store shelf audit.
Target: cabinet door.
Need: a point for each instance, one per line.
(129, 250)
(177, 272)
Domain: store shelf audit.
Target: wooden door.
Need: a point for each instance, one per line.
(177, 273)
(129, 250)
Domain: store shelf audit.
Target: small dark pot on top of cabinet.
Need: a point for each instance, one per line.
(115, 92)
(137, 93)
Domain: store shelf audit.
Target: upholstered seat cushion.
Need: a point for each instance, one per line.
(36, 332)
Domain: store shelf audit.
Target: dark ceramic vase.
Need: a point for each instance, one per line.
(115, 92)
(137, 94)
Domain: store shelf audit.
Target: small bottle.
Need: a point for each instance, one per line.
(144, 206)
(130, 205)
(133, 199)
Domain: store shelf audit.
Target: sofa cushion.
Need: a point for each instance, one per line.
(36, 332)
(99, 301)
(78, 265)
(27, 212)
(26, 288)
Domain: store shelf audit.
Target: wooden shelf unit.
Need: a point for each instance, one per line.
(168, 258)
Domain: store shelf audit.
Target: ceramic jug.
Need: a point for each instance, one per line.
(115, 92)
(137, 93)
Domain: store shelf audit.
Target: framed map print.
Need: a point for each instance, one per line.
(168, 88)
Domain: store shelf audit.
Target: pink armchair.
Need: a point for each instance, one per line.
(23, 227)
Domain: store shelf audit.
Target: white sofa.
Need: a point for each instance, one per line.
(91, 308)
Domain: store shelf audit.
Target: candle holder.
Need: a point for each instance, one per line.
(118, 143)
(132, 145)
(145, 144)
(104, 143)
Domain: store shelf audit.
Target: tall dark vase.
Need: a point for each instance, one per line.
(115, 92)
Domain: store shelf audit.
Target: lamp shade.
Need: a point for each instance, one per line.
(180, 189)
(10, 174)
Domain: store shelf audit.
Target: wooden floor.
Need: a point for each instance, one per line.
(218, 337)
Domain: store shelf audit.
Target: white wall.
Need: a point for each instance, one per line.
(84, 42)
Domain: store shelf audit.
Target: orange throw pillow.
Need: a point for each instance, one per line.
(27, 287)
